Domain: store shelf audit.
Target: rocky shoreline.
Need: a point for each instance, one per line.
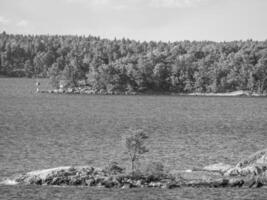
(248, 173)
(90, 91)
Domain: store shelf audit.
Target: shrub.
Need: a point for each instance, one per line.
(155, 171)
(114, 168)
(154, 168)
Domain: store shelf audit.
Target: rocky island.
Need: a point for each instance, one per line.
(248, 173)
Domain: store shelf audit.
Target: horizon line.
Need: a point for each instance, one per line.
(126, 38)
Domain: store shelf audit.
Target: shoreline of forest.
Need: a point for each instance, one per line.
(88, 91)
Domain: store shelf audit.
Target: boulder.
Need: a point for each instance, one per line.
(75, 180)
(260, 157)
(218, 167)
(36, 176)
(90, 182)
(155, 184)
(126, 186)
(199, 175)
(102, 92)
(70, 90)
(253, 164)
(200, 179)
(249, 181)
(56, 176)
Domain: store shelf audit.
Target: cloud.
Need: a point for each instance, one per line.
(22, 23)
(90, 2)
(75, 1)
(110, 4)
(122, 4)
(3, 20)
(175, 3)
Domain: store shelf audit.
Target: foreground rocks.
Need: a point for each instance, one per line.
(250, 172)
(255, 164)
(90, 176)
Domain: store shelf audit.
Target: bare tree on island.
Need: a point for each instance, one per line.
(135, 145)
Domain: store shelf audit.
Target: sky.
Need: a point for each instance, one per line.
(165, 20)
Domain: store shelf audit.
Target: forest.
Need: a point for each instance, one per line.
(129, 65)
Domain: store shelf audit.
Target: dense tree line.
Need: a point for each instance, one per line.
(128, 65)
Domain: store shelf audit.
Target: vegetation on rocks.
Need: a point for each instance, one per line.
(90, 176)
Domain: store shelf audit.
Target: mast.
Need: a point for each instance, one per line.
(37, 83)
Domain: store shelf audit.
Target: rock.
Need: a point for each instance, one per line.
(219, 167)
(102, 92)
(126, 186)
(139, 183)
(260, 157)
(199, 175)
(165, 186)
(90, 92)
(76, 180)
(264, 177)
(42, 174)
(108, 182)
(8, 181)
(70, 90)
(254, 164)
(56, 176)
(250, 181)
(220, 182)
(35, 180)
(56, 181)
(155, 184)
(99, 179)
(236, 182)
(61, 90)
(90, 182)
(201, 179)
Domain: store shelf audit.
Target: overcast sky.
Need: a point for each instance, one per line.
(218, 20)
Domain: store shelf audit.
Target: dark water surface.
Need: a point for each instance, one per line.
(40, 131)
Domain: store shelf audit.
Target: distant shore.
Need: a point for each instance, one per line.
(230, 94)
(88, 91)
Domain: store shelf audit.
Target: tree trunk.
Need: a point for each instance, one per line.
(133, 167)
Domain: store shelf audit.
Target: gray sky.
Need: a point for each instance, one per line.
(218, 20)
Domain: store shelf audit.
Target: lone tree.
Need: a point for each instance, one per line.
(135, 145)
